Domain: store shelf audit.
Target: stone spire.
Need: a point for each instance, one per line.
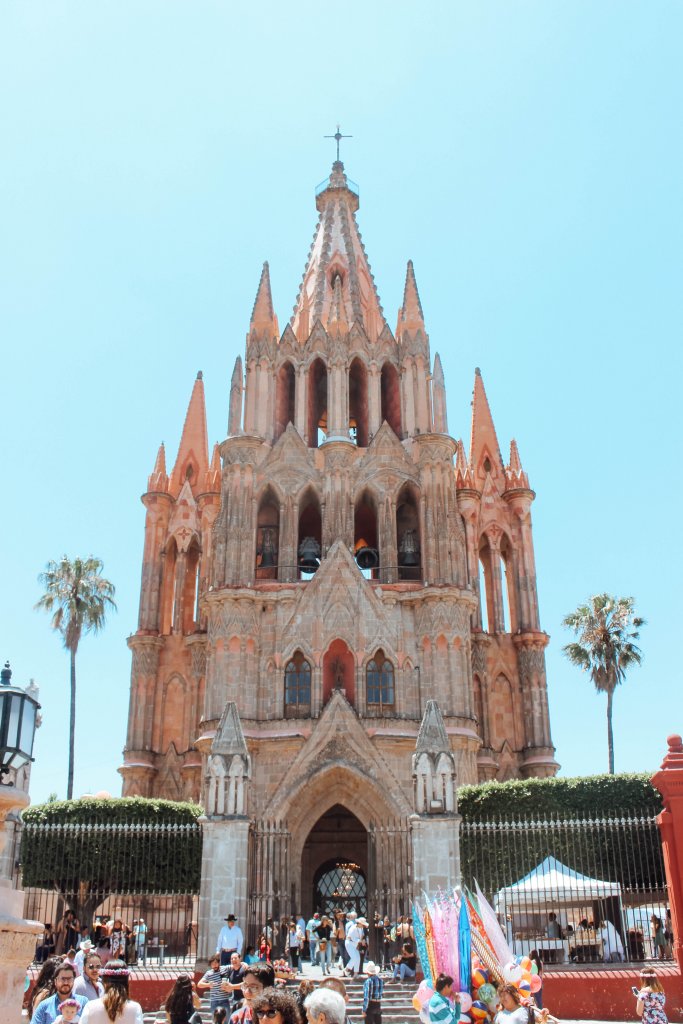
(235, 411)
(229, 738)
(337, 316)
(263, 319)
(228, 768)
(337, 254)
(410, 317)
(433, 765)
(158, 480)
(514, 474)
(192, 461)
(432, 737)
(483, 442)
(439, 398)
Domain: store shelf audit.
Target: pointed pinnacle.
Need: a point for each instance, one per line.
(262, 317)
(411, 317)
(483, 435)
(193, 449)
(160, 464)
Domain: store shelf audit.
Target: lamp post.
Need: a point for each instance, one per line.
(18, 711)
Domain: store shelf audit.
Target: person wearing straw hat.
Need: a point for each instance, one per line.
(373, 990)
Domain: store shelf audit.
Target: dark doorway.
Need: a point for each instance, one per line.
(335, 863)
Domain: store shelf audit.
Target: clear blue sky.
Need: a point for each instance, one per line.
(525, 155)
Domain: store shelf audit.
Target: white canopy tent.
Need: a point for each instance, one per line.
(552, 884)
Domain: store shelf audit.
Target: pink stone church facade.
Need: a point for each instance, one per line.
(339, 620)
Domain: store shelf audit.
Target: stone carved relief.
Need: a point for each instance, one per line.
(434, 778)
(531, 661)
(447, 617)
(146, 659)
(198, 654)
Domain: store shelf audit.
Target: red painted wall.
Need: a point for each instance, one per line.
(605, 994)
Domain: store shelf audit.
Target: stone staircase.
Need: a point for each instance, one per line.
(397, 1006)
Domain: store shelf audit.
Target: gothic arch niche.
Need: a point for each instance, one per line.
(508, 581)
(339, 671)
(173, 730)
(503, 726)
(316, 418)
(310, 534)
(365, 538)
(358, 403)
(168, 586)
(267, 536)
(285, 395)
(486, 586)
(408, 535)
(191, 587)
(390, 394)
(334, 863)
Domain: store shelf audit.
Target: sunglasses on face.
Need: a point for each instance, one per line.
(267, 1013)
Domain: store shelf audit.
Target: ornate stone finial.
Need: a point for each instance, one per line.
(675, 744)
(515, 477)
(432, 737)
(228, 767)
(200, 375)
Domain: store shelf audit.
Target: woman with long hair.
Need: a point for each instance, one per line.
(43, 986)
(651, 998)
(115, 1005)
(182, 1001)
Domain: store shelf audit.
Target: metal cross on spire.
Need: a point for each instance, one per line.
(338, 137)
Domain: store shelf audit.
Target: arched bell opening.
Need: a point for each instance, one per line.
(365, 537)
(508, 585)
(191, 588)
(334, 864)
(486, 601)
(358, 403)
(408, 535)
(339, 671)
(390, 391)
(285, 394)
(316, 420)
(168, 586)
(267, 537)
(309, 538)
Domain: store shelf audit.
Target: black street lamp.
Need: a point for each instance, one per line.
(17, 724)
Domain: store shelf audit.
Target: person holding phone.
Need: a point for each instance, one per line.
(650, 998)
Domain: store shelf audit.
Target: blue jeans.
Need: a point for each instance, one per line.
(402, 971)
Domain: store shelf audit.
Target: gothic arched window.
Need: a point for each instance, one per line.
(380, 681)
(297, 687)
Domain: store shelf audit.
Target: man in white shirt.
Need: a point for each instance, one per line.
(612, 946)
(230, 940)
(85, 948)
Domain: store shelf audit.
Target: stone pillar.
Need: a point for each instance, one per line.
(436, 852)
(223, 891)
(669, 781)
(17, 936)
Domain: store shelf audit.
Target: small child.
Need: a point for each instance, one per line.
(69, 1012)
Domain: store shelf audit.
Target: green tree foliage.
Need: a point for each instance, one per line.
(607, 628)
(601, 826)
(78, 598)
(89, 849)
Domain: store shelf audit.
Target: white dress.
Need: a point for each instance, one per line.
(95, 1013)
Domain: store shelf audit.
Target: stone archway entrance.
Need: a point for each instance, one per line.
(334, 863)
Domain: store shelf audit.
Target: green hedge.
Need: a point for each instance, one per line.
(599, 825)
(89, 849)
(128, 810)
(590, 795)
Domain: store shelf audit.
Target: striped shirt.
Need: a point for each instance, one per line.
(372, 990)
(442, 1010)
(214, 979)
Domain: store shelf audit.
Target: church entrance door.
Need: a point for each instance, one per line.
(334, 866)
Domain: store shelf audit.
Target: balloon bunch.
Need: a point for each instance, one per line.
(458, 934)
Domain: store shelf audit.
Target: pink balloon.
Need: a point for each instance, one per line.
(422, 996)
(465, 1002)
(536, 984)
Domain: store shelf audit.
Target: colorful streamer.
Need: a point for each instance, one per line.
(465, 948)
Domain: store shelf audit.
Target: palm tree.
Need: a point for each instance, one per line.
(606, 628)
(78, 597)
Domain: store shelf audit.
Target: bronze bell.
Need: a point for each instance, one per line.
(408, 551)
(309, 554)
(367, 558)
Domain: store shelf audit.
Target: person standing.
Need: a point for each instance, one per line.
(115, 1006)
(373, 990)
(312, 937)
(293, 943)
(79, 959)
(535, 958)
(182, 1002)
(353, 936)
(89, 984)
(212, 980)
(441, 1008)
(230, 940)
(324, 936)
(233, 983)
(62, 987)
(651, 998)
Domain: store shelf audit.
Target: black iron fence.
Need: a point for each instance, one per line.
(146, 876)
(577, 889)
